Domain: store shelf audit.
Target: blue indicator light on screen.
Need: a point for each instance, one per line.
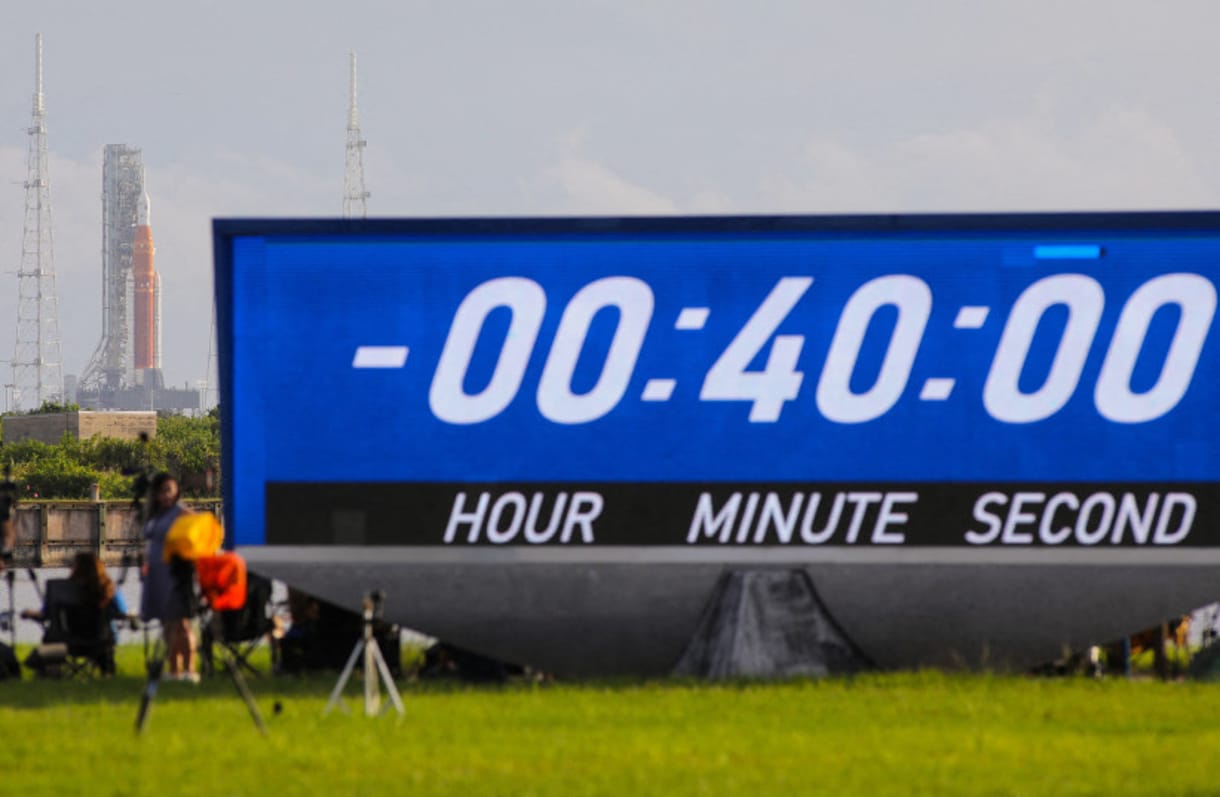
(1067, 252)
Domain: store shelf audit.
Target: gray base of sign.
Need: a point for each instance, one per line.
(634, 611)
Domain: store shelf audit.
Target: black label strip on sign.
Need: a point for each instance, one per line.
(718, 514)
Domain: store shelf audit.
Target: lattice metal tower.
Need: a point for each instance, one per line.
(37, 361)
(110, 367)
(355, 198)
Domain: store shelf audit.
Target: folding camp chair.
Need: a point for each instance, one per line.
(78, 640)
(240, 631)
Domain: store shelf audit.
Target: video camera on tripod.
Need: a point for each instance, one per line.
(374, 663)
(143, 480)
(8, 541)
(8, 503)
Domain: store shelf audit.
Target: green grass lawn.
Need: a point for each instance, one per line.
(923, 733)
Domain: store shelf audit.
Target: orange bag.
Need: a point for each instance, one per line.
(222, 579)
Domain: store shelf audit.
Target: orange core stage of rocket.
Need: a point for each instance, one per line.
(144, 276)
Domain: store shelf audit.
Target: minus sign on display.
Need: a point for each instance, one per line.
(380, 357)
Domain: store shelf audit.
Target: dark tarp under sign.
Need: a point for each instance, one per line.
(767, 624)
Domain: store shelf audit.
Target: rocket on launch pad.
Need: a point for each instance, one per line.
(147, 321)
(125, 371)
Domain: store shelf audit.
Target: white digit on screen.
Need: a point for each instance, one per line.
(527, 302)
(728, 379)
(1001, 394)
(913, 299)
(1196, 296)
(633, 299)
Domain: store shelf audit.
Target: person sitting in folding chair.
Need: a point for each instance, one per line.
(80, 615)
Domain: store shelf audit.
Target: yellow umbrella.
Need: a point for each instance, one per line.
(194, 535)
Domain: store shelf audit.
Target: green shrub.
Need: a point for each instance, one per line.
(115, 486)
(55, 478)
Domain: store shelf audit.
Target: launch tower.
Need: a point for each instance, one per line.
(110, 367)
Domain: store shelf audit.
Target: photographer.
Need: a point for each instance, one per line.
(8, 524)
(169, 587)
(8, 539)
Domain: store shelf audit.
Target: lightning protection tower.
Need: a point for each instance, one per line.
(355, 198)
(37, 360)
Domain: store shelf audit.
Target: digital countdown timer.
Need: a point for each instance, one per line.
(949, 380)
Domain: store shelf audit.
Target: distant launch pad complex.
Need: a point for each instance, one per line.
(125, 371)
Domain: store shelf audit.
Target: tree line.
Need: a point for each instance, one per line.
(187, 447)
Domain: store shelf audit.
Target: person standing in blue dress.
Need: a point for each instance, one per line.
(169, 589)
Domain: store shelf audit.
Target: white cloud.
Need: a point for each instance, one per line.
(711, 201)
(586, 186)
(1120, 159)
(576, 183)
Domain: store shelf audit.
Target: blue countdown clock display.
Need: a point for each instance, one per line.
(1037, 380)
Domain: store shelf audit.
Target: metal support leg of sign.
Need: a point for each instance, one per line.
(375, 667)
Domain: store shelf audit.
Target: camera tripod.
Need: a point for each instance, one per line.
(156, 666)
(374, 665)
(8, 541)
(10, 580)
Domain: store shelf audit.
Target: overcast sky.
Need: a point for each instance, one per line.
(579, 107)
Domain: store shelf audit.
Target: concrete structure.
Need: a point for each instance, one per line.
(50, 534)
(50, 428)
